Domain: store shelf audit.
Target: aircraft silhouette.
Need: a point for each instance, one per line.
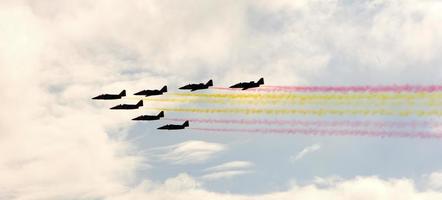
(128, 106)
(152, 92)
(247, 85)
(110, 96)
(149, 117)
(174, 126)
(199, 86)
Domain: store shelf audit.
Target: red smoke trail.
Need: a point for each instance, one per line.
(391, 88)
(321, 132)
(316, 123)
(233, 89)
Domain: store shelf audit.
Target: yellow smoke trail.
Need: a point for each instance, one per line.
(318, 112)
(317, 96)
(300, 102)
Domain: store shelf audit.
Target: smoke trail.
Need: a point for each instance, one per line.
(316, 112)
(321, 132)
(299, 102)
(320, 96)
(391, 88)
(314, 123)
(331, 102)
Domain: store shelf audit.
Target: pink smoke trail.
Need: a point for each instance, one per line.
(316, 123)
(319, 132)
(390, 88)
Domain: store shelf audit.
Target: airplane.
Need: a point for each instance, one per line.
(149, 117)
(152, 92)
(247, 85)
(110, 96)
(174, 126)
(128, 106)
(200, 86)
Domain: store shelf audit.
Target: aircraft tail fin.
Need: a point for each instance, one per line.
(186, 124)
(140, 103)
(161, 114)
(261, 81)
(164, 89)
(123, 93)
(209, 83)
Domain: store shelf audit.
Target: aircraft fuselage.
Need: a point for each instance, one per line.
(149, 93)
(247, 85)
(125, 107)
(147, 118)
(107, 97)
(172, 127)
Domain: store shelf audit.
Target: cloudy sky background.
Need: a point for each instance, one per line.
(55, 143)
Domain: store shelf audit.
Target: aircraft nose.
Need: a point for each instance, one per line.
(138, 93)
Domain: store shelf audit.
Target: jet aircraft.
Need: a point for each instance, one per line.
(128, 106)
(174, 126)
(247, 85)
(149, 117)
(110, 96)
(199, 86)
(152, 92)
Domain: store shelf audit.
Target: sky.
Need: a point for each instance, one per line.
(57, 143)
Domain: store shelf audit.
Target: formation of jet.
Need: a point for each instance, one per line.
(149, 117)
(152, 92)
(110, 96)
(146, 93)
(247, 85)
(174, 126)
(128, 106)
(199, 86)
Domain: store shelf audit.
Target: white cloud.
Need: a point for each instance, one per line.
(305, 151)
(327, 181)
(365, 188)
(49, 140)
(224, 174)
(54, 56)
(228, 170)
(188, 152)
(231, 165)
(434, 181)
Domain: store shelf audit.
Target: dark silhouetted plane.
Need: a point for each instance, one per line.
(152, 92)
(174, 126)
(128, 106)
(199, 86)
(110, 96)
(247, 85)
(149, 117)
